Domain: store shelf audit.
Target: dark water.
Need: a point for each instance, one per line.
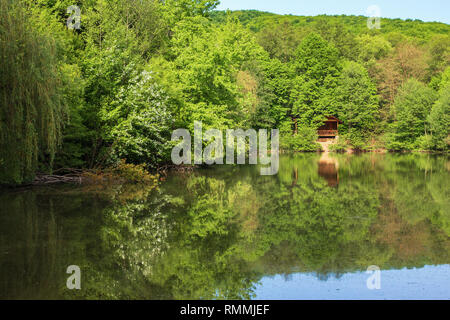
(227, 232)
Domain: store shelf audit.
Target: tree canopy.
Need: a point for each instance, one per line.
(136, 70)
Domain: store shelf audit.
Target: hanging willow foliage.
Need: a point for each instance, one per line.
(31, 108)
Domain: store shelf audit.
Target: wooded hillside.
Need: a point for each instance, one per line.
(116, 87)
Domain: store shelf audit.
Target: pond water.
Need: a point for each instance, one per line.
(227, 232)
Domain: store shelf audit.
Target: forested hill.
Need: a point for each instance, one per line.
(258, 20)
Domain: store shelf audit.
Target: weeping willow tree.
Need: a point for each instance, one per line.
(31, 108)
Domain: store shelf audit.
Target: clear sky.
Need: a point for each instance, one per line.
(425, 10)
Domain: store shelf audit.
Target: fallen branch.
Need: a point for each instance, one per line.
(44, 179)
(163, 170)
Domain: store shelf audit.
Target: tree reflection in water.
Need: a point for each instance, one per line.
(215, 233)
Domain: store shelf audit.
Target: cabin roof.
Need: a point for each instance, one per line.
(332, 119)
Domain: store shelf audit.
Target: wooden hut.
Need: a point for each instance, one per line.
(330, 128)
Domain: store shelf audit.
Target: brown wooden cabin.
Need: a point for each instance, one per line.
(330, 128)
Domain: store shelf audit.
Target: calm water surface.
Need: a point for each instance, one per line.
(226, 232)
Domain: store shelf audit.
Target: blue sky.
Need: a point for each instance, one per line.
(426, 10)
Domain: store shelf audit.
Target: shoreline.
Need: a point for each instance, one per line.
(84, 177)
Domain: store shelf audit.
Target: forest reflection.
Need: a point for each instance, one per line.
(214, 233)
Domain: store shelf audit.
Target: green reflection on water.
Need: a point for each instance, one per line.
(216, 232)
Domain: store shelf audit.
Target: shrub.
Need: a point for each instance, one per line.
(425, 143)
(339, 146)
(121, 173)
(304, 140)
(133, 173)
(356, 141)
(394, 144)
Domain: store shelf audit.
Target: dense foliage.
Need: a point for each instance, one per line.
(31, 113)
(137, 69)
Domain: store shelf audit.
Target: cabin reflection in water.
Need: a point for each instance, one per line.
(328, 169)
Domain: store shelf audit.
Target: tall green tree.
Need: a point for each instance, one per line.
(410, 110)
(31, 99)
(281, 40)
(137, 123)
(372, 48)
(439, 48)
(210, 75)
(313, 92)
(177, 10)
(439, 118)
(279, 77)
(357, 99)
(337, 33)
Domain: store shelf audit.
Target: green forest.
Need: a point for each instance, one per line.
(112, 85)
